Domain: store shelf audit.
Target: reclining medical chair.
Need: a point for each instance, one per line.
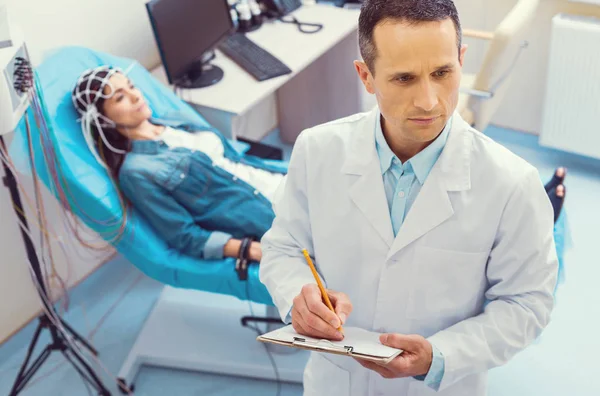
(482, 93)
(93, 199)
(93, 196)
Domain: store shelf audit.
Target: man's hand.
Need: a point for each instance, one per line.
(312, 317)
(415, 360)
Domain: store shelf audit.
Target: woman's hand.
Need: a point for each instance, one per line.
(255, 252)
(232, 249)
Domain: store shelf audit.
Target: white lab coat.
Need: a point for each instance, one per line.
(480, 229)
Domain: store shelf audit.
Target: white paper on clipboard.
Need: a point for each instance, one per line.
(357, 342)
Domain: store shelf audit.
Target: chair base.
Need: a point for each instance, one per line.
(200, 331)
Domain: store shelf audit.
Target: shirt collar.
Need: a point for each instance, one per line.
(146, 146)
(422, 163)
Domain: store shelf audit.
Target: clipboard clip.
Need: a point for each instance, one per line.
(328, 345)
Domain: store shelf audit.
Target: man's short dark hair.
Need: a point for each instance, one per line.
(410, 11)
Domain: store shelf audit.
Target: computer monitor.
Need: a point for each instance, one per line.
(186, 33)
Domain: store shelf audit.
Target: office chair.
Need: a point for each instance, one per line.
(483, 92)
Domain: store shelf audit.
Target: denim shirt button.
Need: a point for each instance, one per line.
(182, 176)
(235, 178)
(255, 192)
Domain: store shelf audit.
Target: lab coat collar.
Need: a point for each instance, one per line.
(454, 162)
(432, 207)
(421, 163)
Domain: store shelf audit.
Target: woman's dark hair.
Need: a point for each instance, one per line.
(412, 11)
(112, 160)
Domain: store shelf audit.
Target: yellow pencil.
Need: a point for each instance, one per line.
(323, 292)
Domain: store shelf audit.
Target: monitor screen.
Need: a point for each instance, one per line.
(186, 29)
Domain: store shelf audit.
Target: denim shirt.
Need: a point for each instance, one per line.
(195, 206)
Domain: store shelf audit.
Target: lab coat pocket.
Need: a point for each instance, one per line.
(445, 283)
(324, 377)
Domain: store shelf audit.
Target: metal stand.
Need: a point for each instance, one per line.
(58, 342)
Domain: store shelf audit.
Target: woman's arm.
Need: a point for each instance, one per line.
(232, 248)
(171, 220)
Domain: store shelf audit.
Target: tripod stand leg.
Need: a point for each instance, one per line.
(24, 378)
(34, 340)
(89, 374)
(79, 338)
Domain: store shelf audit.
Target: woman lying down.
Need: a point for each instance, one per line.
(201, 196)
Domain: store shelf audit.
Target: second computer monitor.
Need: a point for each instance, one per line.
(186, 33)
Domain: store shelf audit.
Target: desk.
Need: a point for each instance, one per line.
(323, 85)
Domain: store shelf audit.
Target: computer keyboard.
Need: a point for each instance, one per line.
(252, 58)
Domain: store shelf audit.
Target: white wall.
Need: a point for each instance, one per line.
(523, 107)
(117, 26)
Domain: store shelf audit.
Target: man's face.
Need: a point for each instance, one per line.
(416, 77)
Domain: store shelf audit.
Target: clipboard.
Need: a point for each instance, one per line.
(358, 343)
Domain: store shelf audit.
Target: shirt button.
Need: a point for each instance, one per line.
(401, 194)
(235, 178)
(255, 192)
(182, 176)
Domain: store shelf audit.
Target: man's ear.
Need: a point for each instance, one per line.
(461, 56)
(365, 75)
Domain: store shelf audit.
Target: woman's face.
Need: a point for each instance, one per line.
(126, 107)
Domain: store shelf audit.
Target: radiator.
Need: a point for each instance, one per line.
(571, 114)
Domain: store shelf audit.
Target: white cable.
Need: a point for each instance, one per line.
(83, 99)
(49, 230)
(66, 220)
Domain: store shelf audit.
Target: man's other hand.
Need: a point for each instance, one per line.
(415, 359)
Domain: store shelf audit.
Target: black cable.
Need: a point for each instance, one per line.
(316, 26)
(258, 332)
(85, 383)
(86, 380)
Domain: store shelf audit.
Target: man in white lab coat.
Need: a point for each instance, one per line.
(422, 228)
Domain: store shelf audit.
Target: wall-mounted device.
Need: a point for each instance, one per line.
(15, 73)
(186, 33)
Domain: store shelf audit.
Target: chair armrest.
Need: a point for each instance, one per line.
(479, 34)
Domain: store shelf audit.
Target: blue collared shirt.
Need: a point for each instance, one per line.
(402, 183)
